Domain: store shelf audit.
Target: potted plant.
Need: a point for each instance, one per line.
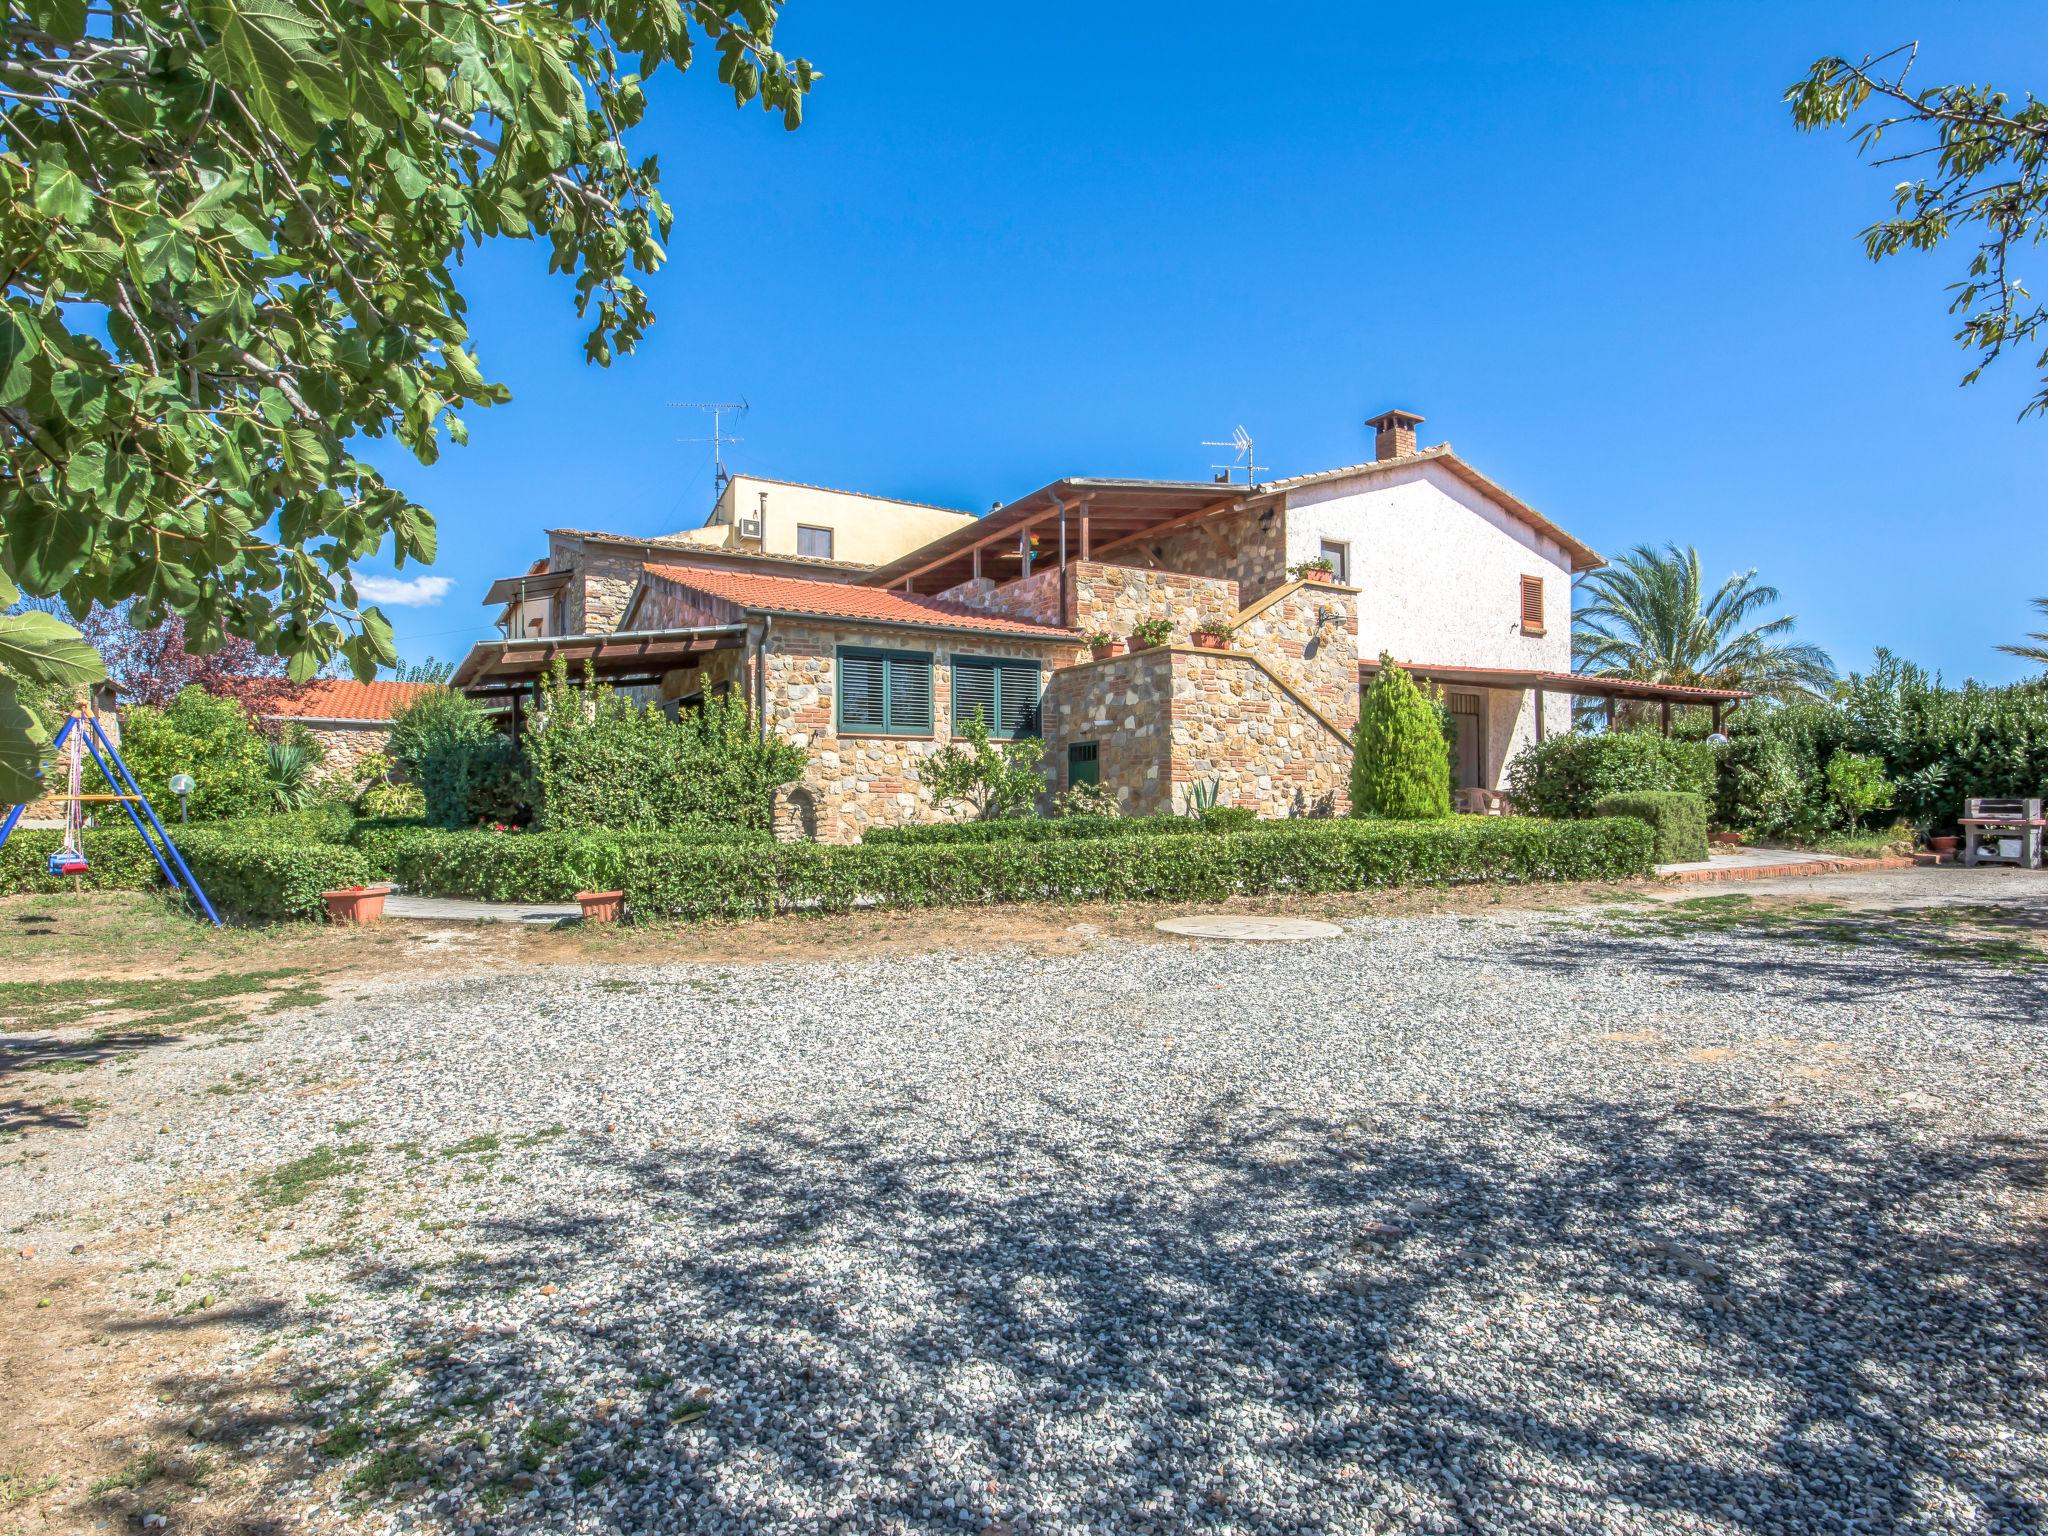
(356, 903)
(1105, 645)
(1213, 635)
(1944, 846)
(1322, 569)
(1150, 633)
(595, 866)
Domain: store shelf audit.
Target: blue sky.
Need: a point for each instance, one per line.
(1012, 243)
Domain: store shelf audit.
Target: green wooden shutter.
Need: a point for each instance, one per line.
(1084, 763)
(863, 693)
(974, 689)
(1018, 692)
(910, 694)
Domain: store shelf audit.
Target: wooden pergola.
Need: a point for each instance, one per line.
(1578, 685)
(1079, 519)
(510, 671)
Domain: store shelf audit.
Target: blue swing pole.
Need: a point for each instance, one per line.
(14, 813)
(136, 790)
(129, 806)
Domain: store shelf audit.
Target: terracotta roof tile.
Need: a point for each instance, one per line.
(836, 600)
(340, 698)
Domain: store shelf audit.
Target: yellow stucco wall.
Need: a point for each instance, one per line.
(867, 530)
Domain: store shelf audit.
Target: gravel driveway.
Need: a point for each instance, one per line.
(1648, 1218)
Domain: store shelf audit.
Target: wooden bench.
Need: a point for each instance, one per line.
(2002, 832)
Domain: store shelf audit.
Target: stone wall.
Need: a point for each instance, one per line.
(1036, 599)
(1123, 705)
(1231, 548)
(1235, 724)
(346, 744)
(1307, 633)
(596, 600)
(1116, 599)
(1177, 716)
(858, 782)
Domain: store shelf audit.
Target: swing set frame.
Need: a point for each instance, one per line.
(94, 740)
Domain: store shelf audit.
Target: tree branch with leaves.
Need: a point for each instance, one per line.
(1975, 160)
(229, 234)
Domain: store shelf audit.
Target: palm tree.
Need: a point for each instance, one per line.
(1649, 616)
(2032, 652)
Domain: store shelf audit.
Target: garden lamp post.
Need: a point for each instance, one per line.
(182, 786)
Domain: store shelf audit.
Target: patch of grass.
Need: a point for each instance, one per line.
(133, 1477)
(60, 1064)
(346, 1439)
(151, 1007)
(294, 1181)
(17, 1488)
(1989, 935)
(550, 1434)
(387, 1469)
(535, 1138)
(588, 1477)
(473, 1144)
(235, 1083)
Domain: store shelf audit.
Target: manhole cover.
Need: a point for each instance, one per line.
(1261, 928)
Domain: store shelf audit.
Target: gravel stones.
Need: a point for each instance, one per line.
(1503, 1225)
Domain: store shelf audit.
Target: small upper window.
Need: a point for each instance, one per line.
(1532, 605)
(816, 543)
(1339, 556)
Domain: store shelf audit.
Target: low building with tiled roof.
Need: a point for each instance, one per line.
(349, 719)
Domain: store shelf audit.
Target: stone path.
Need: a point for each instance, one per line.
(448, 910)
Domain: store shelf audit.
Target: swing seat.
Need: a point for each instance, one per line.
(68, 864)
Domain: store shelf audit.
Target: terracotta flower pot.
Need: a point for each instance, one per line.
(601, 906)
(1137, 645)
(1943, 845)
(1325, 577)
(1725, 839)
(1204, 641)
(356, 904)
(1102, 652)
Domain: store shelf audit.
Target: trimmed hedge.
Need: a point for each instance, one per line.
(268, 875)
(117, 858)
(1296, 857)
(517, 866)
(270, 867)
(1030, 829)
(1679, 820)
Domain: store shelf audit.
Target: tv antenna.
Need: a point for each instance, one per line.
(719, 437)
(1246, 459)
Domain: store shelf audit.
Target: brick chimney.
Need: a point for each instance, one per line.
(1393, 434)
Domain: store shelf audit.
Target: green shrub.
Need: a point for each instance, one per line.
(269, 874)
(213, 739)
(1297, 856)
(466, 770)
(1400, 768)
(521, 866)
(1791, 772)
(1085, 799)
(1679, 819)
(600, 761)
(1032, 829)
(996, 778)
(116, 856)
(1566, 776)
(1227, 818)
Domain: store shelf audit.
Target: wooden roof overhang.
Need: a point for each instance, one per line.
(516, 666)
(538, 584)
(1576, 683)
(1086, 519)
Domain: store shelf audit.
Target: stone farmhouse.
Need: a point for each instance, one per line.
(872, 667)
(349, 719)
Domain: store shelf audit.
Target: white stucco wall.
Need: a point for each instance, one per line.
(1438, 567)
(871, 530)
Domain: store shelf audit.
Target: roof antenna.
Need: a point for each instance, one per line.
(719, 436)
(1247, 458)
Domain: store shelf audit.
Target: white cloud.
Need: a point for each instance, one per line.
(420, 592)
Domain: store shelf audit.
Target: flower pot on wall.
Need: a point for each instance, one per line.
(601, 906)
(356, 904)
(1205, 641)
(1103, 652)
(1325, 577)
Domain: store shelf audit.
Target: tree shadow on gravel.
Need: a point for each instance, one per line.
(1601, 1315)
(1829, 955)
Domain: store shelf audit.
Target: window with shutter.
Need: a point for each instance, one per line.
(1532, 605)
(884, 693)
(1003, 689)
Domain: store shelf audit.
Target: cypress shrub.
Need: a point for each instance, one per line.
(1679, 820)
(1400, 768)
